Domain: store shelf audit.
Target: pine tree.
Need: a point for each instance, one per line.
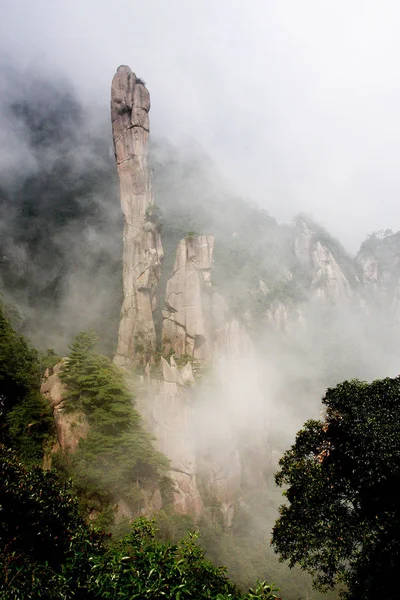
(25, 418)
(117, 458)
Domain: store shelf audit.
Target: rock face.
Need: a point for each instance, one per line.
(187, 314)
(198, 327)
(328, 282)
(197, 324)
(223, 480)
(379, 264)
(196, 321)
(70, 426)
(168, 413)
(142, 254)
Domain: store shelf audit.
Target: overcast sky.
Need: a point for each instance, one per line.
(297, 100)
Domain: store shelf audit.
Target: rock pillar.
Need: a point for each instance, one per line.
(142, 254)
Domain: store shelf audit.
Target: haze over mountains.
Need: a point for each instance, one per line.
(61, 219)
(273, 164)
(285, 311)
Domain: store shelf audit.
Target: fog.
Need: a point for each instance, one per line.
(292, 106)
(297, 102)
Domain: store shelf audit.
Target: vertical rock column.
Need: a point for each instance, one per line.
(142, 254)
(187, 315)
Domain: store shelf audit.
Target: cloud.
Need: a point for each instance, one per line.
(297, 102)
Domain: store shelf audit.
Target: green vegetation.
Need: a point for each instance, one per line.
(45, 546)
(49, 359)
(320, 234)
(341, 523)
(189, 237)
(48, 551)
(66, 215)
(25, 418)
(117, 459)
(342, 520)
(383, 247)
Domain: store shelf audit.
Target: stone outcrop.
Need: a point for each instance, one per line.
(187, 313)
(168, 413)
(223, 479)
(303, 243)
(70, 426)
(197, 324)
(278, 316)
(196, 321)
(142, 253)
(328, 281)
(379, 265)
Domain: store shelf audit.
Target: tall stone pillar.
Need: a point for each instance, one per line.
(142, 253)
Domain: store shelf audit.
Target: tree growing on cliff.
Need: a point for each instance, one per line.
(117, 458)
(342, 519)
(25, 418)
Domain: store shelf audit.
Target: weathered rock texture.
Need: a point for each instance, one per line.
(197, 327)
(196, 321)
(168, 413)
(70, 426)
(187, 313)
(328, 281)
(142, 254)
(379, 264)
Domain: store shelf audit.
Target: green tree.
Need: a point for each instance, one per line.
(117, 458)
(48, 551)
(342, 519)
(25, 418)
(140, 566)
(45, 545)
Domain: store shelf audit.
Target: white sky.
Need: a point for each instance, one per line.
(297, 100)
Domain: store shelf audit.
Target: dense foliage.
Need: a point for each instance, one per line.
(45, 546)
(25, 418)
(48, 551)
(342, 520)
(117, 459)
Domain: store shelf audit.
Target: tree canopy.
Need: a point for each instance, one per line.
(25, 418)
(117, 458)
(342, 475)
(48, 551)
(45, 545)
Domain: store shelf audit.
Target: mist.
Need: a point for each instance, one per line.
(258, 113)
(298, 104)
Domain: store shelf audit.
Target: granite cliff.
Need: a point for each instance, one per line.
(142, 250)
(200, 328)
(240, 299)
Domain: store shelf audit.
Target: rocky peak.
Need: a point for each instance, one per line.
(142, 254)
(187, 313)
(328, 282)
(379, 263)
(324, 259)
